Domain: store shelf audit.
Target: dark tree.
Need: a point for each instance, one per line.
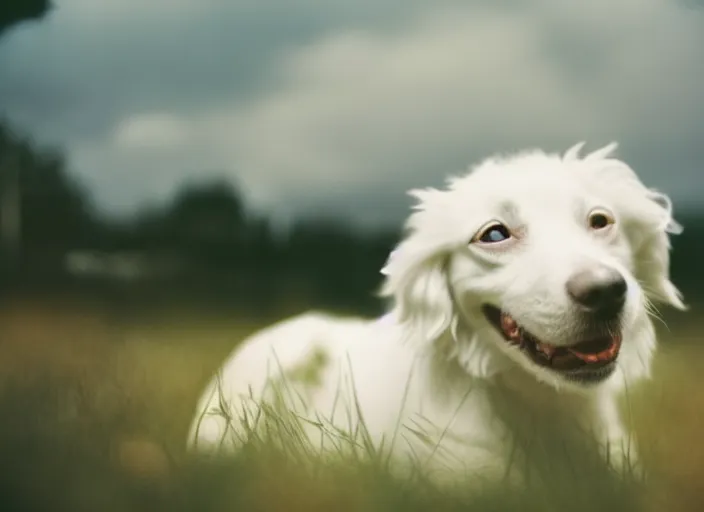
(209, 212)
(13, 12)
(43, 211)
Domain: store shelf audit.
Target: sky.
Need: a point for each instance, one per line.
(335, 108)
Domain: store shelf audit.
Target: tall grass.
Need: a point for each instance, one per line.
(276, 437)
(96, 420)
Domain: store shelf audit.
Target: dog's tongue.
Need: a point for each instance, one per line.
(598, 350)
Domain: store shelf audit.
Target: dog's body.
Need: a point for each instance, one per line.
(459, 374)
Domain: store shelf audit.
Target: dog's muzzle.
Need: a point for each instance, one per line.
(599, 295)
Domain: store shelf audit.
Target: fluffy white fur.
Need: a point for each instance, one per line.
(432, 380)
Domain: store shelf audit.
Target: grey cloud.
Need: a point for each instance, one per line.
(80, 70)
(340, 107)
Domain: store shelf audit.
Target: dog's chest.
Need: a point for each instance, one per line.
(496, 432)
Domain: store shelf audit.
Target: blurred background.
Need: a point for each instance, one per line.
(177, 173)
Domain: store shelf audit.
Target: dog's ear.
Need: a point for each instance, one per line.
(416, 277)
(652, 256)
(648, 221)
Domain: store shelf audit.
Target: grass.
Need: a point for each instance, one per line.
(95, 410)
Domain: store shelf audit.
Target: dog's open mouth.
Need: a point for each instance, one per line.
(591, 359)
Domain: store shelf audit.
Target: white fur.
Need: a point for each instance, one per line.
(433, 363)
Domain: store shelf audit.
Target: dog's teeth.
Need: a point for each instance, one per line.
(511, 328)
(545, 350)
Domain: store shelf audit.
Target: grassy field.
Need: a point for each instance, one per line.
(95, 409)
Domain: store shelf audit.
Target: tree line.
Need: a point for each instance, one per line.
(211, 241)
(206, 232)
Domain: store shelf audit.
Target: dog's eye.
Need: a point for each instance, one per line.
(494, 233)
(600, 219)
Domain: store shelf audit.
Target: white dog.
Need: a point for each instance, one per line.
(521, 300)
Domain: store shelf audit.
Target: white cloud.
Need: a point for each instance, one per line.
(153, 130)
(360, 109)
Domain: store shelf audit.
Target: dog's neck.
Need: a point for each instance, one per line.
(529, 411)
(460, 360)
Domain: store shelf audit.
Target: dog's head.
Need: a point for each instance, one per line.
(551, 262)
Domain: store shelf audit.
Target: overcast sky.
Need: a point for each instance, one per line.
(338, 107)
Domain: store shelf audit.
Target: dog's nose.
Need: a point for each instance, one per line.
(600, 290)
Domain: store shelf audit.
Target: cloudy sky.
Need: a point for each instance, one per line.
(337, 107)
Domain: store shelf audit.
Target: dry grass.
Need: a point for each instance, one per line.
(95, 412)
